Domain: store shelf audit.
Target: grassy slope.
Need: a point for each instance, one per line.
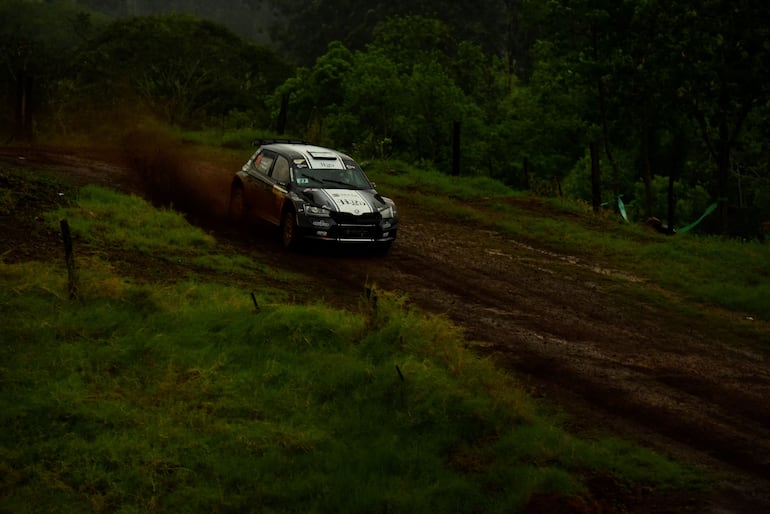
(149, 395)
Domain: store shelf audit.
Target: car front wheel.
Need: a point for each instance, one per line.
(289, 233)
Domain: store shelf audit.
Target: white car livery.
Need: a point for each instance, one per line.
(312, 192)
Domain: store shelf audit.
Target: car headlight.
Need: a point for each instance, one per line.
(388, 212)
(312, 210)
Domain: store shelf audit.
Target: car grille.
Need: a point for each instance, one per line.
(357, 226)
(346, 218)
(356, 231)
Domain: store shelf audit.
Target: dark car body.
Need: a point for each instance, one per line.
(312, 193)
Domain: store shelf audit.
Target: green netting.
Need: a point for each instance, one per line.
(695, 223)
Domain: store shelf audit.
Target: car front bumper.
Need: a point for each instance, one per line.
(347, 230)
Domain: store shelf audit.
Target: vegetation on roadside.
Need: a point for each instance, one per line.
(187, 394)
(661, 103)
(730, 273)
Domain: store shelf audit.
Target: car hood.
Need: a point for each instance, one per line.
(351, 201)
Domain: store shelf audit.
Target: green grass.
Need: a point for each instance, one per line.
(180, 396)
(103, 218)
(185, 398)
(721, 272)
(428, 181)
(108, 217)
(728, 273)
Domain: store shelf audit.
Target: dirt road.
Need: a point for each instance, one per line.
(695, 387)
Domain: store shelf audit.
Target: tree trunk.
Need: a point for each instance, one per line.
(606, 138)
(282, 114)
(596, 186)
(526, 170)
(23, 107)
(647, 171)
(723, 176)
(671, 204)
(19, 106)
(456, 148)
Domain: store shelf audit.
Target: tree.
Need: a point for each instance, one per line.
(374, 113)
(548, 123)
(315, 93)
(649, 81)
(640, 68)
(397, 93)
(724, 57)
(181, 68)
(412, 40)
(592, 37)
(36, 42)
(303, 29)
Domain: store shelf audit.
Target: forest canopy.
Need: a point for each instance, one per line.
(664, 105)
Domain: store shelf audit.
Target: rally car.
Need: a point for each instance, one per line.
(312, 193)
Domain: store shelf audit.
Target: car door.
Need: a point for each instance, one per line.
(260, 184)
(280, 176)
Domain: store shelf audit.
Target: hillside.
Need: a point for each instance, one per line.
(686, 380)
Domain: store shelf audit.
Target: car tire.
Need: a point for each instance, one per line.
(289, 235)
(237, 208)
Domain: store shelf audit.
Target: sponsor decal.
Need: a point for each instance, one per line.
(349, 201)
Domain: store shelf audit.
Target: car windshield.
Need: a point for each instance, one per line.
(352, 178)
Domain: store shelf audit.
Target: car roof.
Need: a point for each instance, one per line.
(308, 152)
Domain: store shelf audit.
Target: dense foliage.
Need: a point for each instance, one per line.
(663, 104)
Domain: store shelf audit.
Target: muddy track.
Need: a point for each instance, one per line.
(694, 387)
(575, 336)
